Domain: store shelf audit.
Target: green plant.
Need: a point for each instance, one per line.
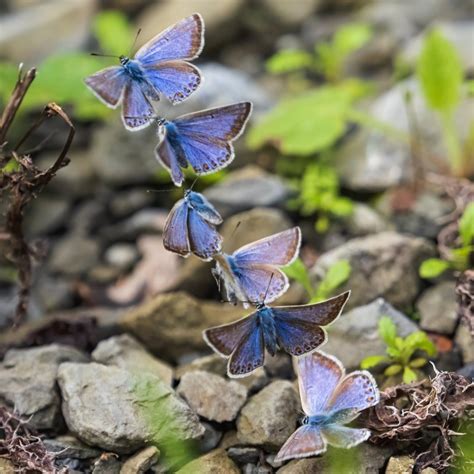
(400, 351)
(336, 275)
(318, 193)
(329, 58)
(439, 71)
(459, 258)
(60, 76)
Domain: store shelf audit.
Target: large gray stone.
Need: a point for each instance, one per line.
(438, 308)
(119, 411)
(384, 264)
(465, 342)
(126, 352)
(355, 336)
(269, 417)
(211, 396)
(28, 383)
(216, 461)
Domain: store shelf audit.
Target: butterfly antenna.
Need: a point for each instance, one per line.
(193, 183)
(159, 190)
(135, 41)
(268, 288)
(235, 229)
(105, 55)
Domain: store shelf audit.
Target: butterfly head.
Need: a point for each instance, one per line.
(124, 60)
(317, 420)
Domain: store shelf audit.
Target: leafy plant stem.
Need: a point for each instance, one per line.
(452, 143)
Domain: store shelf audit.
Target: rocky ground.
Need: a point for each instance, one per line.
(110, 367)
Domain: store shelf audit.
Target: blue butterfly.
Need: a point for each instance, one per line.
(159, 67)
(295, 329)
(330, 399)
(247, 272)
(202, 139)
(189, 227)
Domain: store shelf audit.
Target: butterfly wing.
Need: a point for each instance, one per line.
(277, 249)
(355, 392)
(204, 208)
(344, 437)
(137, 112)
(304, 442)
(175, 234)
(249, 354)
(177, 80)
(318, 377)
(108, 85)
(206, 136)
(183, 40)
(204, 240)
(297, 337)
(166, 155)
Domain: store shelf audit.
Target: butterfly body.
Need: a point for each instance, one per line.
(330, 400)
(202, 140)
(158, 68)
(294, 329)
(189, 227)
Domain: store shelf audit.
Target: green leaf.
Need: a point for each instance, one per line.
(388, 331)
(439, 71)
(372, 361)
(409, 375)
(433, 267)
(113, 32)
(393, 370)
(289, 60)
(418, 362)
(352, 37)
(466, 225)
(342, 206)
(305, 124)
(419, 340)
(298, 272)
(335, 276)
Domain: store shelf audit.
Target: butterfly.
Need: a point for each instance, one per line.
(330, 399)
(248, 270)
(295, 329)
(189, 227)
(201, 139)
(159, 67)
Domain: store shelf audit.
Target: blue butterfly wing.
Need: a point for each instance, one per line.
(108, 85)
(175, 234)
(277, 249)
(306, 441)
(166, 155)
(344, 437)
(297, 337)
(183, 40)
(249, 354)
(355, 392)
(177, 80)
(224, 339)
(206, 136)
(204, 240)
(318, 377)
(204, 208)
(137, 111)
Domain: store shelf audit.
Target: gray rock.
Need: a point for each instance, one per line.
(244, 454)
(171, 324)
(74, 255)
(465, 342)
(7, 467)
(460, 33)
(28, 383)
(141, 462)
(400, 465)
(121, 256)
(119, 411)
(373, 161)
(216, 461)
(67, 446)
(269, 417)
(358, 329)
(467, 371)
(211, 396)
(247, 188)
(438, 308)
(286, 14)
(210, 439)
(130, 201)
(108, 463)
(384, 264)
(364, 221)
(46, 214)
(127, 353)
